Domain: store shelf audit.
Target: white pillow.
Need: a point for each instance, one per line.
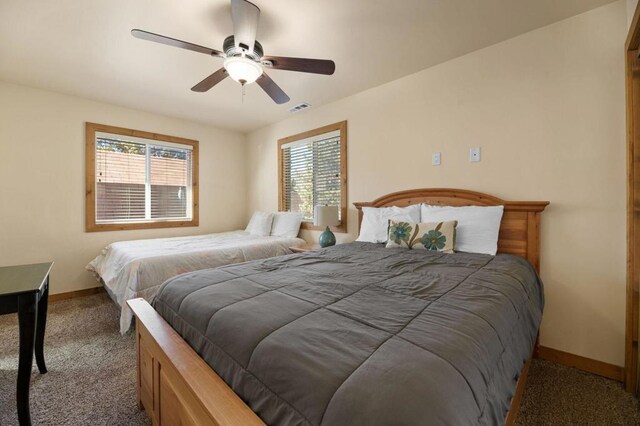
(260, 224)
(375, 221)
(478, 227)
(286, 224)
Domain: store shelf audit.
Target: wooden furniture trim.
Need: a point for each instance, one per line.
(305, 248)
(342, 127)
(519, 229)
(632, 83)
(521, 384)
(90, 183)
(610, 371)
(198, 394)
(76, 293)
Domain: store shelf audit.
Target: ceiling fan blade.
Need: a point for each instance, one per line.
(145, 35)
(245, 16)
(211, 81)
(272, 89)
(315, 66)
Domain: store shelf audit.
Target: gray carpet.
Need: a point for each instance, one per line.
(559, 395)
(91, 378)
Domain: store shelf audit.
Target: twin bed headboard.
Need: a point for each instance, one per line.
(519, 229)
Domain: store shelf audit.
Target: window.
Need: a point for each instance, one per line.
(312, 170)
(139, 180)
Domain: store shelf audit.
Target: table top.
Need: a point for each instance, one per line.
(23, 278)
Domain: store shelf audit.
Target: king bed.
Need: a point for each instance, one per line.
(352, 334)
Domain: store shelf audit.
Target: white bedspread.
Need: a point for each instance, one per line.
(137, 268)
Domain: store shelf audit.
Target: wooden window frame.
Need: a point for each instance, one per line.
(90, 179)
(342, 128)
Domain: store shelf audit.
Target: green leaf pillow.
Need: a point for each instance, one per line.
(438, 236)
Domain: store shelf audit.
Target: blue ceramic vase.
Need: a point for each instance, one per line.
(327, 238)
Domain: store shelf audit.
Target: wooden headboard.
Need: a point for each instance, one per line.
(519, 229)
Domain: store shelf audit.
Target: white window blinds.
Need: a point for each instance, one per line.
(311, 174)
(139, 180)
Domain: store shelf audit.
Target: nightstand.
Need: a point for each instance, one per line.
(305, 248)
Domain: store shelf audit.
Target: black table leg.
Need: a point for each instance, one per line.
(42, 324)
(27, 318)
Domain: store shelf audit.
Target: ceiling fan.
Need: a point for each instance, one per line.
(243, 55)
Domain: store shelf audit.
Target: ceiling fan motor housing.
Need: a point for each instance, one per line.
(231, 50)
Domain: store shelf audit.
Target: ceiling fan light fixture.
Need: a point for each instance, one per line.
(242, 70)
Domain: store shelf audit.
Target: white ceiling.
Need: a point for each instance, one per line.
(84, 48)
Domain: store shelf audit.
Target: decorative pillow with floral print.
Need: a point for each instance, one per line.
(438, 236)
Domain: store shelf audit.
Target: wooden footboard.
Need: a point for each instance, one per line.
(175, 386)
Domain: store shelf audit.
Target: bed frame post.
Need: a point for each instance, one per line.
(533, 239)
(138, 382)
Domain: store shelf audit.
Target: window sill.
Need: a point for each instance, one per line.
(340, 229)
(100, 227)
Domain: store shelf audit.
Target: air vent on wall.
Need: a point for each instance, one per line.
(300, 107)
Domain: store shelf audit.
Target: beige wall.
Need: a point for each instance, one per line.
(547, 108)
(42, 180)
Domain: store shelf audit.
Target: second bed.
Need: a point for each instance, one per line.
(130, 269)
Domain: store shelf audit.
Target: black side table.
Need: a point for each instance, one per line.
(25, 289)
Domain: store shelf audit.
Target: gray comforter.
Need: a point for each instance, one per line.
(358, 334)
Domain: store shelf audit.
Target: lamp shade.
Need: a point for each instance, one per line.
(326, 216)
(242, 70)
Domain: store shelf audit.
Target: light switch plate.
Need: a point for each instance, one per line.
(474, 154)
(435, 159)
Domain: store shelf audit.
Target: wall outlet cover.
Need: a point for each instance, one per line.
(436, 158)
(474, 154)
